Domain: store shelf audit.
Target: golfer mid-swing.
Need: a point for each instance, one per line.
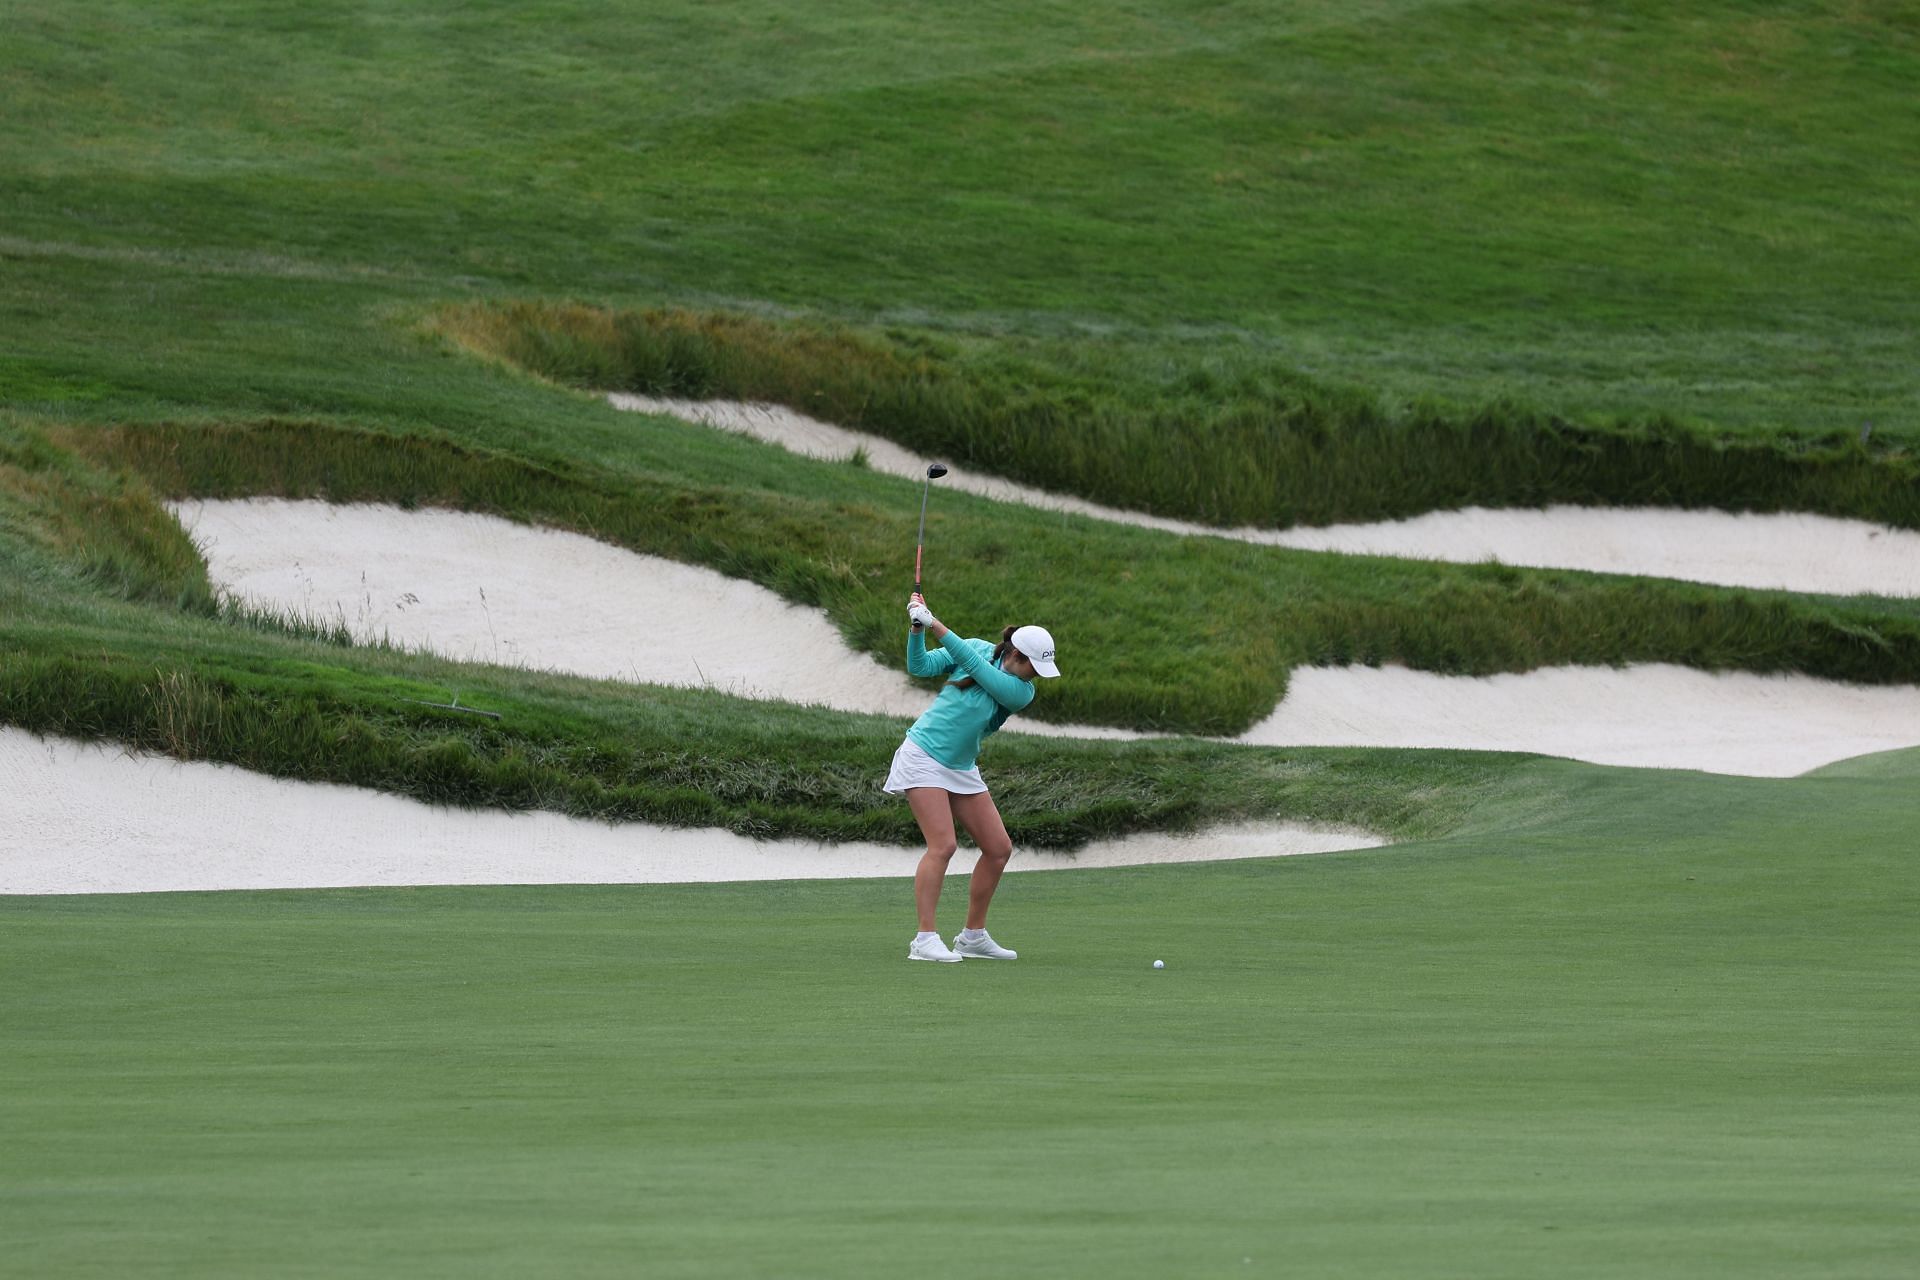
(934, 768)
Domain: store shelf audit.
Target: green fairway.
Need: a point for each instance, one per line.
(1665, 1029)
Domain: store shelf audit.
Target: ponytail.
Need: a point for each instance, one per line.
(999, 651)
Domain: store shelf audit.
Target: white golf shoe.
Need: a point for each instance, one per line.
(982, 948)
(932, 949)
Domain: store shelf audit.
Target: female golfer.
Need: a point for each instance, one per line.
(934, 768)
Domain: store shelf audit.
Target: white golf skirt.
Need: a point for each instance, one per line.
(913, 767)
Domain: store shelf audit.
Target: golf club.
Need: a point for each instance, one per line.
(934, 472)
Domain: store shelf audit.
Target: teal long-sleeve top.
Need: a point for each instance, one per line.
(952, 729)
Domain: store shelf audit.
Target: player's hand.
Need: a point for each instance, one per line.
(918, 613)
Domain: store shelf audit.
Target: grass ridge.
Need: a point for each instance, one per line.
(1227, 438)
(1169, 659)
(593, 750)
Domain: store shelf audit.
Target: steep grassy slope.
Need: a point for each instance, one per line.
(1194, 635)
(1221, 436)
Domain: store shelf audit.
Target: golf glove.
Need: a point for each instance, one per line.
(920, 615)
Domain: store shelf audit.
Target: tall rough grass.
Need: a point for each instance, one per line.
(292, 622)
(103, 524)
(1226, 439)
(1193, 635)
(686, 757)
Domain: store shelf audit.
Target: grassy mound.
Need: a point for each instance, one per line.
(1193, 635)
(1223, 437)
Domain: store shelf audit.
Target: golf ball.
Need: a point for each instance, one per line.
(1159, 964)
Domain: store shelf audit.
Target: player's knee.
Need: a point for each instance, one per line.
(942, 851)
(997, 853)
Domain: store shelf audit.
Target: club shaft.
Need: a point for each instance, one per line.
(920, 543)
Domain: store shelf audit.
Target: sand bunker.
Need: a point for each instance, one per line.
(477, 587)
(1787, 552)
(89, 819)
(1651, 716)
(481, 589)
(85, 819)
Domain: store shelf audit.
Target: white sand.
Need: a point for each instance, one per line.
(482, 589)
(1650, 716)
(84, 819)
(1789, 552)
(1784, 552)
(476, 586)
(89, 819)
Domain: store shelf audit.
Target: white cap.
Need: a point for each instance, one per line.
(1037, 644)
